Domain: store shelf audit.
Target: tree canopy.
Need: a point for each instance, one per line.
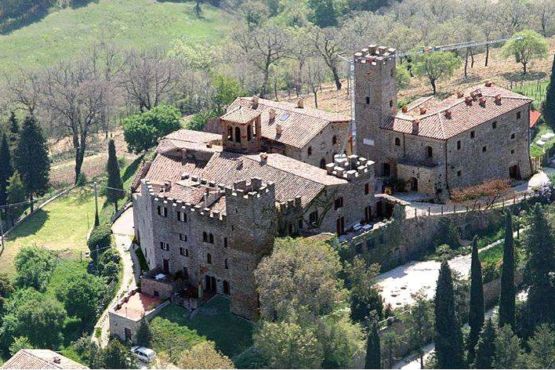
(34, 266)
(526, 46)
(436, 66)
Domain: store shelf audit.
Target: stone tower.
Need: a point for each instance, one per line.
(375, 99)
(242, 129)
(251, 215)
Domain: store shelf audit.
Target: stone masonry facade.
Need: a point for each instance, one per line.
(434, 146)
(208, 207)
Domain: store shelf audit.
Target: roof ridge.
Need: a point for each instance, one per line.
(282, 170)
(304, 111)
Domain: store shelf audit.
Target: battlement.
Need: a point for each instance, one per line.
(349, 168)
(290, 206)
(248, 190)
(374, 55)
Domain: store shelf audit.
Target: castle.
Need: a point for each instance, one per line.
(433, 146)
(209, 206)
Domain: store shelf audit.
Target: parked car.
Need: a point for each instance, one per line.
(143, 354)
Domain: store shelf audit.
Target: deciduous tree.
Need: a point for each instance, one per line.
(204, 356)
(525, 47)
(436, 66)
(34, 266)
(82, 296)
(420, 325)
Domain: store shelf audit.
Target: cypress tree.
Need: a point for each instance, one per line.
(13, 126)
(476, 310)
(373, 354)
(114, 192)
(508, 291)
(144, 334)
(448, 335)
(6, 169)
(485, 350)
(538, 270)
(549, 103)
(31, 159)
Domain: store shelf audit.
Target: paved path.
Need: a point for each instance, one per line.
(123, 235)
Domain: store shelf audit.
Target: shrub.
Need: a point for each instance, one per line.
(100, 237)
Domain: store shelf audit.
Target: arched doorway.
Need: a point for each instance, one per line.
(413, 184)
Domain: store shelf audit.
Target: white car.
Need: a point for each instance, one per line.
(143, 354)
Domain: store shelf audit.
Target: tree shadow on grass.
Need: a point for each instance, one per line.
(132, 168)
(519, 76)
(30, 226)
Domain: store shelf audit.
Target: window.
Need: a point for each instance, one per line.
(249, 133)
(183, 237)
(518, 115)
(181, 216)
(397, 141)
(391, 104)
(494, 124)
(309, 151)
(313, 218)
(334, 140)
(225, 242)
(513, 136)
(458, 145)
(459, 173)
(484, 149)
(164, 246)
(323, 163)
(366, 188)
(230, 133)
(209, 258)
(338, 203)
(392, 73)
(512, 151)
(429, 152)
(162, 211)
(225, 264)
(184, 252)
(340, 226)
(300, 223)
(367, 100)
(472, 134)
(211, 238)
(205, 237)
(237, 134)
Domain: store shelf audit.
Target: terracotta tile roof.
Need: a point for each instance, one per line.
(40, 359)
(292, 178)
(136, 306)
(241, 114)
(190, 139)
(435, 124)
(299, 125)
(534, 118)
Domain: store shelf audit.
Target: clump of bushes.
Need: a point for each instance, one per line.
(100, 239)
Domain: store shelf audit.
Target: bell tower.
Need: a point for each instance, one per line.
(375, 98)
(241, 128)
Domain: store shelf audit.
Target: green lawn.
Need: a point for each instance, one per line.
(535, 149)
(142, 24)
(213, 321)
(61, 226)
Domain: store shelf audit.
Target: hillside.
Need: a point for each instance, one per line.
(140, 24)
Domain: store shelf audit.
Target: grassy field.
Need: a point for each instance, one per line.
(61, 226)
(213, 321)
(143, 24)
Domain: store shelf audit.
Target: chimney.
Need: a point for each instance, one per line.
(488, 83)
(483, 102)
(254, 102)
(498, 99)
(460, 94)
(415, 126)
(405, 109)
(468, 100)
(330, 167)
(300, 103)
(279, 130)
(272, 114)
(57, 360)
(448, 114)
(422, 110)
(263, 158)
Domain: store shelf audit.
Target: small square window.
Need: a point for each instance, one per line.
(472, 134)
(484, 149)
(513, 136)
(494, 124)
(183, 237)
(459, 173)
(512, 151)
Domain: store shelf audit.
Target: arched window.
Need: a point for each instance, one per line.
(397, 141)
(309, 151)
(323, 163)
(205, 237)
(237, 134)
(429, 152)
(334, 140)
(209, 258)
(225, 264)
(211, 238)
(230, 133)
(249, 133)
